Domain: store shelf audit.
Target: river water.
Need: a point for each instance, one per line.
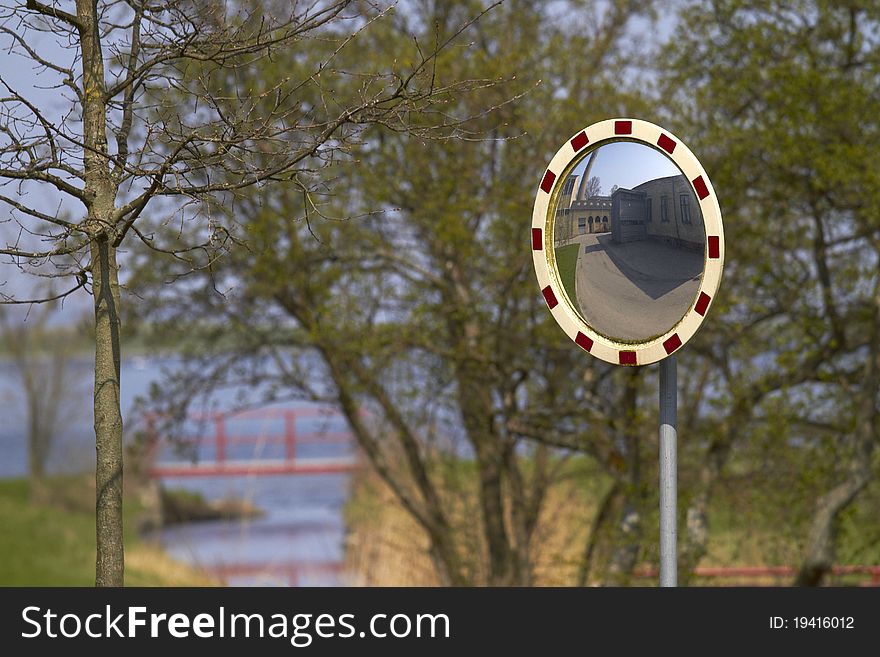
(298, 541)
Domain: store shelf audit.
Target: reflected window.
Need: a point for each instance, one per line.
(568, 187)
(664, 209)
(685, 209)
(649, 209)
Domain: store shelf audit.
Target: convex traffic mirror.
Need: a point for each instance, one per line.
(627, 241)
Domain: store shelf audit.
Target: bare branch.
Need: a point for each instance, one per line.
(39, 215)
(128, 103)
(81, 281)
(54, 12)
(42, 61)
(43, 255)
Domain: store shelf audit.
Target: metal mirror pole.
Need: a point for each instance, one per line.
(668, 472)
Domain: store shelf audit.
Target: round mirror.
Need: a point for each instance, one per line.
(627, 241)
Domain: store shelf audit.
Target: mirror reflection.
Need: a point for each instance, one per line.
(629, 241)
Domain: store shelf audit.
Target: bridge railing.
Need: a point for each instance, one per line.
(225, 438)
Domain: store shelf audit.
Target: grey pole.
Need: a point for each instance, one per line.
(668, 472)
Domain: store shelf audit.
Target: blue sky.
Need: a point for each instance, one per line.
(627, 164)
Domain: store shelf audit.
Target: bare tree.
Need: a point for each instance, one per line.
(42, 365)
(161, 102)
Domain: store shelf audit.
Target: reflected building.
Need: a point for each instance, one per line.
(579, 214)
(663, 209)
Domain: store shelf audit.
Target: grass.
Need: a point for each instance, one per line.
(52, 542)
(566, 263)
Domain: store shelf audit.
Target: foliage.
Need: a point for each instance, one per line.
(781, 101)
(418, 317)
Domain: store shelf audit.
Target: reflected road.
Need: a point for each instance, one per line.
(636, 290)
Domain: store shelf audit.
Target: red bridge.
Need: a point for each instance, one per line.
(276, 427)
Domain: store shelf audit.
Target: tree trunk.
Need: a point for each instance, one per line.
(501, 562)
(444, 557)
(477, 414)
(476, 410)
(601, 519)
(100, 193)
(45, 382)
(820, 546)
(628, 539)
(695, 542)
(36, 454)
(109, 565)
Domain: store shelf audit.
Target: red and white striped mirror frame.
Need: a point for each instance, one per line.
(568, 318)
